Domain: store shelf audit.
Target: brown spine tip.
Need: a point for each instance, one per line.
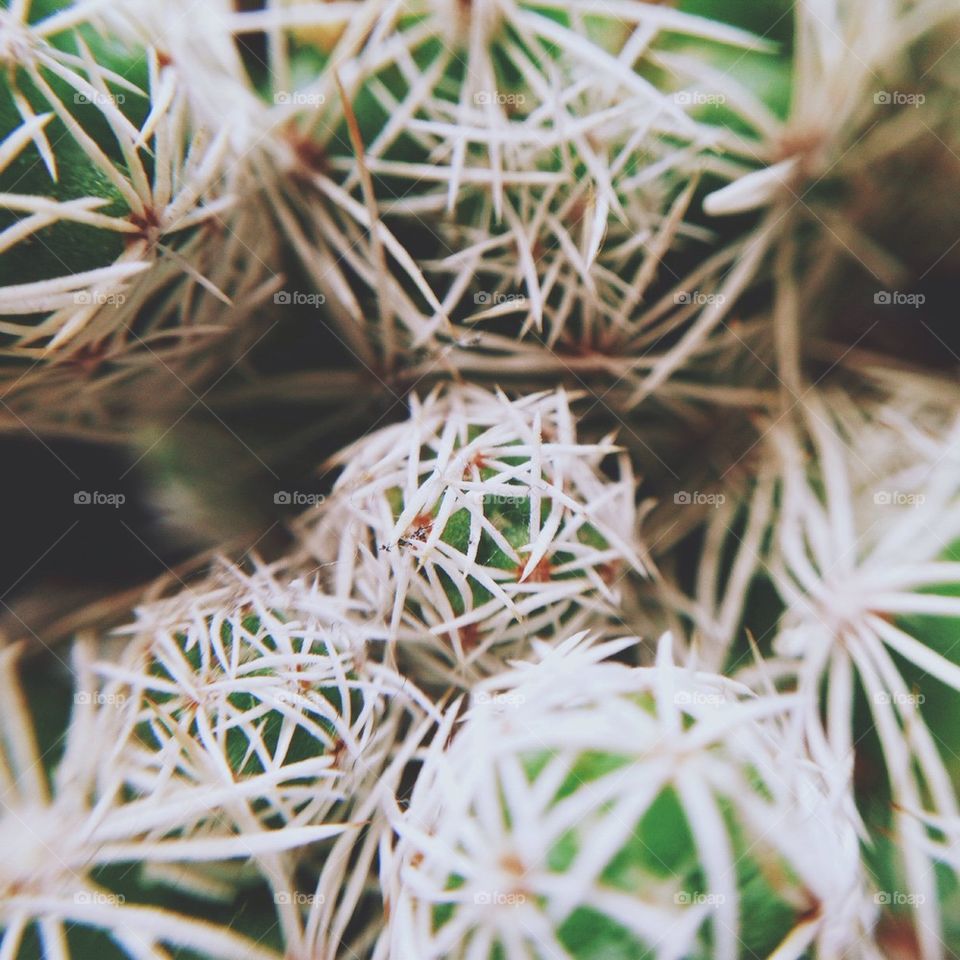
(541, 573)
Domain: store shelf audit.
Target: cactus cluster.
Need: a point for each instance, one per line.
(476, 525)
(121, 235)
(626, 624)
(590, 809)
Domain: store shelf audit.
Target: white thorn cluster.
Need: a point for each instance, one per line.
(843, 112)
(235, 687)
(235, 732)
(530, 149)
(476, 524)
(59, 837)
(532, 192)
(868, 520)
(581, 800)
(130, 184)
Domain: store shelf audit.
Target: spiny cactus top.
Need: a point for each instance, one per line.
(243, 725)
(547, 157)
(128, 242)
(58, 891)
(101, 176)
(257, 690)
(478, 523)
(865, 544)
(588, 809)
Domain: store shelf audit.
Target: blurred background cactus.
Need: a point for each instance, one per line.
(482, 479)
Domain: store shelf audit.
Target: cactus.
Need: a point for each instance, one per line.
(594, 323)
(62, 892)
(477, 524)
(232, 683)
(594, 809)
(119, 233)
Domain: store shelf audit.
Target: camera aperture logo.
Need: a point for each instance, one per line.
(298, 98)
(888, 898)
(99, 898)
(693, 898)
(99, 699)
(900, 699)
(898, 98)
(297, 498)
(697, 298)
(96, 298)
(488, 298)
(97, 99)
(97, 498)
(894, 298)
(690, 698)
(486, 97)
(897, 498)
(502, 499)
(500, 700)
(699, 98)
(295, 896)
(298, 298)
(697, 498)
(499, 898)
